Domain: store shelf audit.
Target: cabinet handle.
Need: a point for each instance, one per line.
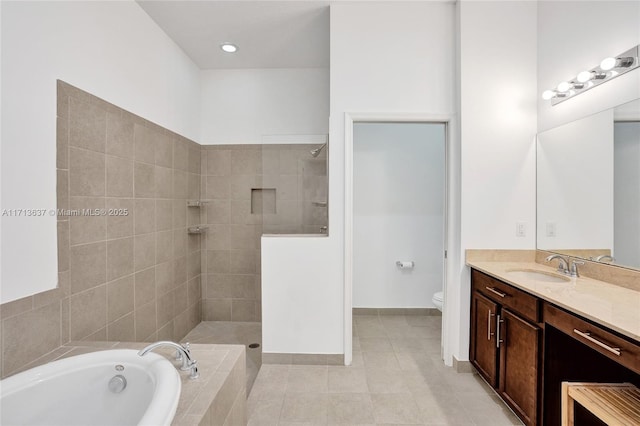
(489, 333)
(498, 340)
(494, 291)
(587, 335)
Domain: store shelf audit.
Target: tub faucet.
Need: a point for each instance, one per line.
(563, 263)
(188, 363)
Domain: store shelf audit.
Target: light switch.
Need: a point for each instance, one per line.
(551, 229)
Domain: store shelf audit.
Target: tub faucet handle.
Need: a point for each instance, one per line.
(194, 370)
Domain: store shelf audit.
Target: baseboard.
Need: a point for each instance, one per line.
(397, 311)
(463, 366)
(303, 359)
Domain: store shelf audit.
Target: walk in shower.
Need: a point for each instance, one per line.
(248, 191)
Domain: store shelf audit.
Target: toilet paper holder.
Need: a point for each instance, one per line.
(404, 264)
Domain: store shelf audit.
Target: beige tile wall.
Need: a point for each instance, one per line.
(231, 261)
(231, 250)
(137, 276)
(122, 277)
(301, 187)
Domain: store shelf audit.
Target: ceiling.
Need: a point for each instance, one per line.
(269, 34)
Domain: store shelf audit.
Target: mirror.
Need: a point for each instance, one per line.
(588, 187)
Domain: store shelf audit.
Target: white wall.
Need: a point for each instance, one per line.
(299, 304)
(497, 60)
(241, 106)
(385, 57)
(627, 112)
(398, 213)
(627, 193)
(575, 184)
(574, 36)
(110, 49)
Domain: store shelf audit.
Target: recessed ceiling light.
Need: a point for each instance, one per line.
(229, 47)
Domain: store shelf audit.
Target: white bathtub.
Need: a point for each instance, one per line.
(75, 391)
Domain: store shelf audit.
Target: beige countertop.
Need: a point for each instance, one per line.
(612, 306)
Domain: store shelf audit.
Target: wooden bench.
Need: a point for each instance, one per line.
(613, 403)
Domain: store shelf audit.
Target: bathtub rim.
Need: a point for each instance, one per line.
(167, 383)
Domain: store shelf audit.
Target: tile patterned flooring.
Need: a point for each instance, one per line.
(397, 378)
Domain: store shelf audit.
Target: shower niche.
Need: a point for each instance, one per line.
(263, 200)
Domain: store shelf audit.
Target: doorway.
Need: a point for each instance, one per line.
(396, 216)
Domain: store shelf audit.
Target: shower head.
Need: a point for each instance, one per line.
(316, 152)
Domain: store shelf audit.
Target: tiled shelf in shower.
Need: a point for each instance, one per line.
(197, 203)
(197, 229)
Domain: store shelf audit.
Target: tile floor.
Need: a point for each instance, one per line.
(397, 378)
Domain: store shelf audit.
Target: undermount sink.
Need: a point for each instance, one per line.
(532, 274)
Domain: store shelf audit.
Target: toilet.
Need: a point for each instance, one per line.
(438, 300)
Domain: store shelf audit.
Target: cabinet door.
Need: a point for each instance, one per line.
(483, 351)
(519, 351)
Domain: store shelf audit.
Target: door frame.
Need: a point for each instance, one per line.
(451, 219)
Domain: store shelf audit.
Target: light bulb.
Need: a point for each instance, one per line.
(548, 94)
(229, 47)
(564, 86)
(608, 63)
(585, 76)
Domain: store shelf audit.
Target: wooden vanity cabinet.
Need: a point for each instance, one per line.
(506, 341)
(519, 365)
(483, 351)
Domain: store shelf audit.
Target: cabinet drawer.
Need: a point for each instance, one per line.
(622, 351)
(508, 296)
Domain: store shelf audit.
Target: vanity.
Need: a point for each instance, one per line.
(531, 327)
(529, 333)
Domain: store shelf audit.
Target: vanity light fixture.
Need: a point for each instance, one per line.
(608, 69)
(548, 94)
(611, 63)
(564, 87)
(229, 47)
(586, 76)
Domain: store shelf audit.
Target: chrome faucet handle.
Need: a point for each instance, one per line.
(193, 366)
(574, 268)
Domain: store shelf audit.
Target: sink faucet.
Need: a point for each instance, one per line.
(563, 263)
(188, 363)
(605, 258)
